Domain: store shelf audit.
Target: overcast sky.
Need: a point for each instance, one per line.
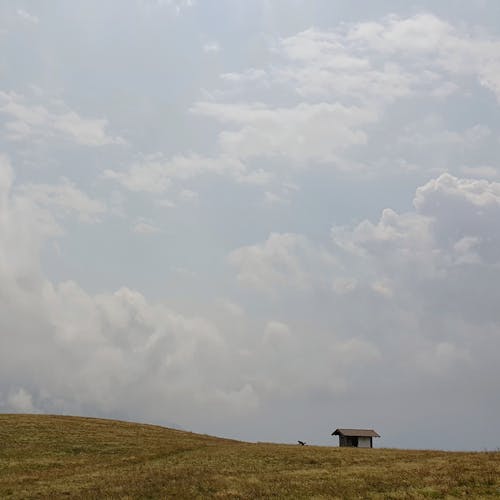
(258, 219)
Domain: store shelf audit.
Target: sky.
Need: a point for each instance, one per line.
(261, 220)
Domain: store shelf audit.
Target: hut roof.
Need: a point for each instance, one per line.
(355, 432)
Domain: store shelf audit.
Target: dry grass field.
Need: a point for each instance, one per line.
(57, 457)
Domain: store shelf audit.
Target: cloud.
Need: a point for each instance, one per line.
(27, 121)
(230, 307)
(305, 132)
(424, 39)
(425, 281)
(65, 350)
(251, 75)
(145, 227)
(432, 131)
(442, 357)
(452, 228)
(271, 198)
(156, 174)
(30, 216)
(340, 88)
(165, 203)
(401, 307)
(344, 285)
(278, 263)
(389, 305)
(485, 171)
(177, 6)
(64, 198)
(469, 192)
(26, 16)
(21, 401)
(326, 64)
(275, 333)
(378, 62)
(189, 196)
(211, 47)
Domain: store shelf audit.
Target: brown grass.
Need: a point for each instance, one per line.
(52, 457)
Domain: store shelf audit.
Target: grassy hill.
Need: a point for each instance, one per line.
(53, 456)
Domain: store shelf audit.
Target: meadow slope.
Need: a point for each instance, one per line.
(54, 456)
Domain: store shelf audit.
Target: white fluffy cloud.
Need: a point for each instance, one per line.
(278, 263)
(452, 234)
(391, 58)
(155, 174)
(430, 41)
(143, 226)
(326, 64)
(340, 85)
(63, 349)
(65, 198)
(29, 121)
(305, 132)
(419, 279)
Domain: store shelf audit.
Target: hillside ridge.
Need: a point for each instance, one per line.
(53, 456)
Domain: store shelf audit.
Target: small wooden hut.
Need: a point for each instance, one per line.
(357, 438)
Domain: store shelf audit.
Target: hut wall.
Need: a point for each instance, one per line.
(364, 442)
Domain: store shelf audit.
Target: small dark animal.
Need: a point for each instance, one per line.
(302, 443)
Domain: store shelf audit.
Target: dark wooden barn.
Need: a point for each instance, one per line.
(357, 438)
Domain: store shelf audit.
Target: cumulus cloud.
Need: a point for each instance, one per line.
(417, 278)
(251, 75)
(383, 290)
(430, 40)
(390, 58)
(29, 121)
(339, 87)
(145, 227)
(278, 263)
(63, 349)
(341, 83)
(452, 228)
(65, 198)
(326, 64)
(155, 174)
(304, 132)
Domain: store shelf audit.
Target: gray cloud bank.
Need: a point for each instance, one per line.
(198, 257)
(407, 315)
